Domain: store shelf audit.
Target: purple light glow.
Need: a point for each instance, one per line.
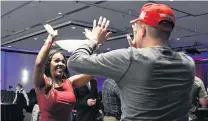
(199, 57)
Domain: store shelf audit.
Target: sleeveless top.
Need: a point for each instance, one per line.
(56, 105)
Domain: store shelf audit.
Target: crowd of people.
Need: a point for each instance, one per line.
(147, 81)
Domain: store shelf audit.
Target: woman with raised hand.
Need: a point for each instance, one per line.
(53, 86)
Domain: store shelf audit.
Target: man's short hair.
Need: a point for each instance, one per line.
(161, 34)
(18, 84)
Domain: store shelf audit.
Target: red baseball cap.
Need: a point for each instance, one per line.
(152, 14)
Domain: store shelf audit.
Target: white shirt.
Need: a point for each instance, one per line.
(89, 85)
(25, 95)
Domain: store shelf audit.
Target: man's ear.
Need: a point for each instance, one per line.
(143, 31)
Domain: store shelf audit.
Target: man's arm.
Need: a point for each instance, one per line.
(112, 64)
(15, 99)
(26, 97)
(82, 99)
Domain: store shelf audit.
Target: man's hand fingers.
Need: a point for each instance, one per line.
(94, 24)
(108, 35)
(100, 21)
(103, 23)
(107, 24)
(129, 39)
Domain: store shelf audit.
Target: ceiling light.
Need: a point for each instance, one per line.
(35, 38)
(59, 13)
(73, 27)
(178, 38)
(9, 46)
(70, 45)
(108, 48)
(25, 75)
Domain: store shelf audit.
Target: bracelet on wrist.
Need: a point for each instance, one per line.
(49, 43)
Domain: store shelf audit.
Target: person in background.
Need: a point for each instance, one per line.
(35, 113)
(86, 101)
(35, 108)
(33, 100)
(21, 99)
(198, 97)
(99, 102)
(111, 101)
(52, 82)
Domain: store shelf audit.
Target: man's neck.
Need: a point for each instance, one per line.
(154, 42)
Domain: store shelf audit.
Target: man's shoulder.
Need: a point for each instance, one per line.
(109, 82)
(119, 53)
(134, 51)
(186, 58)
(144, 54)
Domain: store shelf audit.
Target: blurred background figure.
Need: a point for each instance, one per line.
(34, 108)
(35, 113)
(21, 98)
(33, 100)
(198, 99)
(111, 101)
(100, 115)
(86, 106)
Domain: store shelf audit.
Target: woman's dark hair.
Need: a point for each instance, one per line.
(48, 63)
(48, 73)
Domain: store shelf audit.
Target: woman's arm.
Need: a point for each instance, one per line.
(15, 99)
(42, 57)
(80, 79)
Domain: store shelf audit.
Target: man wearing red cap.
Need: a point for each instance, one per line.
(154, 81)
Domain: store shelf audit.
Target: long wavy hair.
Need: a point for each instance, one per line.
(48, 73)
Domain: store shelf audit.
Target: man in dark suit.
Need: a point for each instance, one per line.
(86, 105)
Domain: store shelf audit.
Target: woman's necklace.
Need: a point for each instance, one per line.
(53, 85)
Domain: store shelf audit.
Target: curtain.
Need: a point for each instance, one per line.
(7, 96)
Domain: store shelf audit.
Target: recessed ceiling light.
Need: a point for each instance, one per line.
(9, 46)
(108, 48)
(178, 39)
(35, 38)
(73, 27)
(59, 13)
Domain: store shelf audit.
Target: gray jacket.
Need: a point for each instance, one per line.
(154, 82)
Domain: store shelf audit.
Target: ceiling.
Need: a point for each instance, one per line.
(22, 21)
